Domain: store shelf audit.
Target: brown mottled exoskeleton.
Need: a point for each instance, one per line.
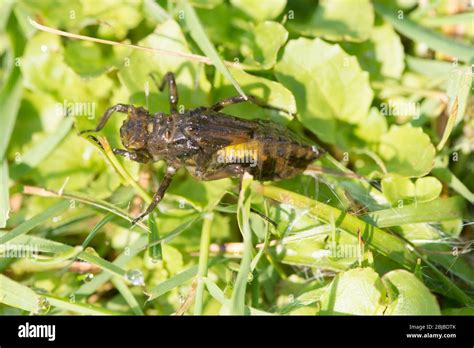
(210, 144)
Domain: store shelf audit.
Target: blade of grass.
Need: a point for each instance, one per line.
(445, 175)
(155, 11)
(40, 151)
(138, 246)
(266, 242)
(4, 194)
(243, 219)
(127, 295)
(191, 219)
(96, 203)
(434, 211)
(121, 260)
(28, 225)
(102, 263)
(5, 10)
(199, 36)
(375, 238)
(179, 279)
(20, 296)
(430, 67)
(459, 86)
(371, 197)
(155, 250)
(39, 244)
(96, 229)
(63, 252)
(217, 294)
(79, 308)
(203, 262)
(467, 18)
(432, 39)
(17, 295)
(12, 90)
(175, 281)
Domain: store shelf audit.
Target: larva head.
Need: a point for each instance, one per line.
(134, 130)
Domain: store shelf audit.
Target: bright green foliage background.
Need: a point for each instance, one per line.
(385, 87)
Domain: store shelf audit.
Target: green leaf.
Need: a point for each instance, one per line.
(201, 194)
(190, 78)
(127, 295)
(169, 284)
(375, 238)
(311, 249)
(79, 308)
(10, 95)
(17, 295)
(89, 59)
(357, 291)
(198, 34)
(427, 189)
(121, 260)
(435, 211)
(155, 250)
(38, 153)
(430, 67)
(243, 218)
(342, 20)
(44, 70)
(270, 92)
(261, 53)
(5, 10)
(397, 188)
(260, 10)
(432, 39)
(4, 193)
(409, 296)
(439, 21)
(407, 151)
(389, 50)
(119, 16)
(458, 311)
(445, 175)
(36, 220)
(155, 11)
(328, 88)
(373, 128)
(459, 86)
(382, 55)
(218, 295)
(203, 262)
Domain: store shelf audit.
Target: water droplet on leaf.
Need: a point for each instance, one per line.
(88, 277)
(135, 277)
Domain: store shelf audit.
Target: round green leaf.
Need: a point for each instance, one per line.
(339, 21)
(407, 151)
(259, 50)
(382, 55)
(397, 188)
(328, 85)
(427, 189)
(409, 295)
(372, 129)
(357, 291)
(260, 10)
